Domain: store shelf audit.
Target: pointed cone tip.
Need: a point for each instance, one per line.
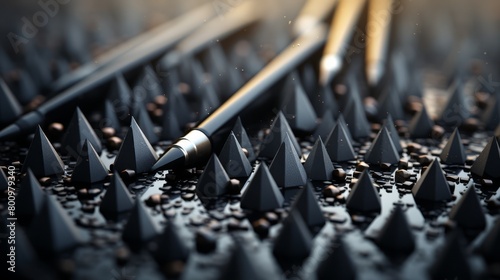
(173, 158)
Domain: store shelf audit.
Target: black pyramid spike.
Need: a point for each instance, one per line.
(146, 125)
(338, 145)
(382, 149)
(286, 167)
(233, 159)
(390, 103)
(10, 108)
(135, 153)
(338, 264)
(242, 136)
(30, 197)
(42, 159)
(241, 265)
(4, 183)
(171, 246)
(273, 140)
(364, 196)
(53, 231)
(298, 109)
(318, 165)
(262, 193)
(491, 243)
(120, 95)
(421, 124)
(391, 128)
(395, 237)
(491, 117)
(110, 117)
(117, 198)
(356, 121)
(325, 126)
(214, 180)
(170, 125)
(78, 131)
(468, 212)
(308, 207)
(140, 227)
(451, 261)
(456, 109)
(486, 164)
(453, 152)
(294, 231)
(89, 167)
(432, 185)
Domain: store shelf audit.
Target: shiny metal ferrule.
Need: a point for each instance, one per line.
(195, 145)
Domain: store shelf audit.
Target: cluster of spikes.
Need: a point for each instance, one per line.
(288, 168)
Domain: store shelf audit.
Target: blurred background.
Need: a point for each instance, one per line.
(41, 40)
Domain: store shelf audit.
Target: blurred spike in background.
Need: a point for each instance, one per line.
(49, 38)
